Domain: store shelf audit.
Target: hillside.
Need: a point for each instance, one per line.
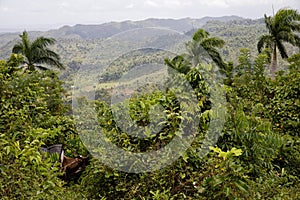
(85, 46)
(152, 109)
(101, 31)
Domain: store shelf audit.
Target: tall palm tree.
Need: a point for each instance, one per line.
(36, 52)
(282, 28)
(205, 48)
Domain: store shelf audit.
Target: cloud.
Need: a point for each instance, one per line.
(4, 9)
(129, 6)
(151, 3)
(217, 3)
(169, 4)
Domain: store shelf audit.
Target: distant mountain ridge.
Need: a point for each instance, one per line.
(108, 29)
(95, 31)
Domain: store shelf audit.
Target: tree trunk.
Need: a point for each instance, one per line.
(274, 61)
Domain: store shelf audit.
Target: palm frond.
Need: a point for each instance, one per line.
(18, 48)
(51, 61)
(200, 34)
(286, 15)
(295, 26)
(216, 58)
(213, 42)
(287, 37)
(265, 41)
(51, 54)
(42, 42)
(297, 40)
(181, 64)
(269, 22)
(25, 42)
(282, 50)
(41, 68)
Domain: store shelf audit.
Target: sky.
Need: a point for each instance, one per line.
(18, 15)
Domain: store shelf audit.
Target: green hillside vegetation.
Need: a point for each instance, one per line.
(72, 45)
(86, 52)
(237, 35)
(257, 155)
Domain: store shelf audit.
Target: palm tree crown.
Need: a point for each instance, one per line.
(36, 52)
(282, 28)
(203, 47)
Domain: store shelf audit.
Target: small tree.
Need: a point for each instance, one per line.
(36, 52)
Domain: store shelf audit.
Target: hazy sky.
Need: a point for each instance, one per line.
(41, 14)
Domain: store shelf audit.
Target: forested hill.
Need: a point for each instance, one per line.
(78, 34)
(79, 45)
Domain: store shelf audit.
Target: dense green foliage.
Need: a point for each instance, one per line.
(32, 115)
(257, 156)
